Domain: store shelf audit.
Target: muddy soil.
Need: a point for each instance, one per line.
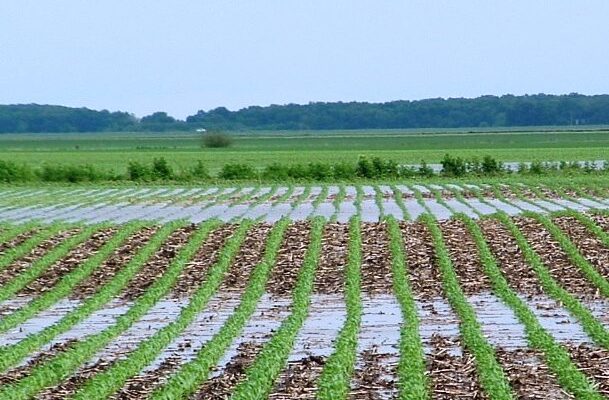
(587, 243)
(329, 278)
(298, 382)
(158, 263)
(289, 259)
(16, 241)
(142, 386)
(221, 386)
(555, 259)
(69, 263)
(20, 265)
(119, 258)
(377, 379)
(250, 254)
(510, 258)
(195, 272)
(424, 275)
(376, 259)
(594, 362)
(464, 256)
(529, 376)
(601, 220)
(74, 383)
(20, 372)
(451, 376)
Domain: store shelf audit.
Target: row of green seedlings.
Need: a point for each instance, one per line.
(64, 364)
(191, 374)
(106, 383)
(68, 282)
(13, 354)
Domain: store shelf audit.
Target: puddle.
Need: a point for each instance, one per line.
(436, 317)
(498, 322)
(327, 314)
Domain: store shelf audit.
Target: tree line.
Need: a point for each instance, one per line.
(484, 111)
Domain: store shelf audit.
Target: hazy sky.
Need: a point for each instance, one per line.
(185, 55)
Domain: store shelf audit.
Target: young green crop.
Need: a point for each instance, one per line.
(492, 378)
(321, 197)
(557, 358)
(399, 200)
(592, 326)
(68, 282)
(338, 199)
(14, 253)
(412, 378)
(273, 357)
(573, 253)
(41, 264)
(107, 382)
(12, 231)
(186, 380)
(62, 365)
(10, 355)
(378, 200)
(359, 197)
(335, 377)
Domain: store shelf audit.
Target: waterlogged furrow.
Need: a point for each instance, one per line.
(194, 373)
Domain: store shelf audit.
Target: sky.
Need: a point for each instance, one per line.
(181, 56)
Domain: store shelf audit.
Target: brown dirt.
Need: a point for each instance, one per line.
(21, 372)
(529, 376)
(221, 386)
(329, 278)
(195, 272)
(289, 259)
(376, 259)
(587, 243)
(299, 379)
(451, 376)
(423, 273)
(510, 258)
(376, 376)
(71, 385)
(105, 272)
(158, 263)
(555, 259)
(142, 386)
(464, 255)
(601, 220)
(594, 362)
(17, 240)
(20, 265)
(250, 254)
(70, 262)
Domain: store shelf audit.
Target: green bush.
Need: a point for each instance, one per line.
(453, 166)
(12, 172)
(237, 171)
(216, 140)
(199, 171)
(138, 171)
(70, 173)
(160, 169)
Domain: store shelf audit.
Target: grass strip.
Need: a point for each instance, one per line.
(10, 355)
(573, 253)
(64, 364)
(412, 378)
(592, 326)
(106, 383)
(41, 264)
(492, 378)
(186, 380)
(273, 357)
(69, 281)
(555, 356)
(334, 381)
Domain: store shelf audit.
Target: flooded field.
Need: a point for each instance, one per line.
(359, 292)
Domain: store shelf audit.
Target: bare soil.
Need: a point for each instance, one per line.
(329, 278)
(423, 273)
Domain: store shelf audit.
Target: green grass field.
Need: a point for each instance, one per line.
(113, 150)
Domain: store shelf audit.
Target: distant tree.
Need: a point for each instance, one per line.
(159, 117)
(216, 139)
